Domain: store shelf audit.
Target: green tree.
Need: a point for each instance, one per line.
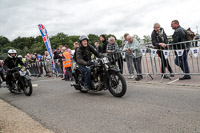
(136, 37)
(147, 38)
(3, 41)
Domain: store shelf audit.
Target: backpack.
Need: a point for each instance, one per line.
(190, 34)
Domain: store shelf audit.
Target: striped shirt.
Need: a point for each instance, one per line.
(112, 47)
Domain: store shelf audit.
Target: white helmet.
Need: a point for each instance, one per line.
(12, 51)
(19, 56)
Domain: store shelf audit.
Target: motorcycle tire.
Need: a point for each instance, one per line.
(28, 90)
(113, 84)
(83, 91)
(11, 91)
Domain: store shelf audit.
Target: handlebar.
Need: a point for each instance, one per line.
(15, 69)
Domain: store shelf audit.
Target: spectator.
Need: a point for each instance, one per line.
(159, 39)
(133, 47)
(76, 46)
(180, 36)
(128, 56)
(21, 58)
(59, 49)
(2, 73)
(38, 58)
(47, 64)
(69, 50)
(58, 61)
(105, 43)
(97, 46)
(67, 65)
(112, 49)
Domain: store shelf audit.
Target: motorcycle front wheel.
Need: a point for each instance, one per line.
(117, 84)
(28, 88)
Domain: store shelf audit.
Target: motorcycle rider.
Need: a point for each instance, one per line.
(83, 58)
(11, 62)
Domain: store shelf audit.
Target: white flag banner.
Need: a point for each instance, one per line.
(166, 53)
(195, 51)
(179, 52)
(198, 44)
(143, 51)
(154, 51)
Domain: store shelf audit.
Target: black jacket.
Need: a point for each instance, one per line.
(156, 39)
(83, 55)
(180, 35)
(12, 62)
(74, 57)
(105, 43)
(99, 48)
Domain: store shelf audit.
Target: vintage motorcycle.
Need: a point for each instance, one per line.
(21, 81)
(104, 76)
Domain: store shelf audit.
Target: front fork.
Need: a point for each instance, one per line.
(24, 81)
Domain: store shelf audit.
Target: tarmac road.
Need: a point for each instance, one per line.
(145, 108)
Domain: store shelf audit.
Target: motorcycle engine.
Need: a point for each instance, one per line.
(96, 83)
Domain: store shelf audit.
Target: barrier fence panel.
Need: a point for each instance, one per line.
(179, 59)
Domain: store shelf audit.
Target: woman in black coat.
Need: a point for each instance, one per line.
(159, 39)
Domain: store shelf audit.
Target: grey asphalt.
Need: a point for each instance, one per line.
(146, 108)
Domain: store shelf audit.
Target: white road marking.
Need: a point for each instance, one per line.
(173, 81)
(45, 80)
(34, 85)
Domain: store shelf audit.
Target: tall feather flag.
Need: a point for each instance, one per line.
(47, 43)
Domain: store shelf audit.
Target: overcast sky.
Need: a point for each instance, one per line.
(76, 17)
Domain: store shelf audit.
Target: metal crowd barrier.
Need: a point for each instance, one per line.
(151, 62)
(183, 54)
(177, 54)
(44, 68)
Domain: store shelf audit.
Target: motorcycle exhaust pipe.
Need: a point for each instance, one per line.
(72, 84)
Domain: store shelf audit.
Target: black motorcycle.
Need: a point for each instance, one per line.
(104, 76)
(20, 81)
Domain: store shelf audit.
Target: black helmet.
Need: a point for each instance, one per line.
(83, 37)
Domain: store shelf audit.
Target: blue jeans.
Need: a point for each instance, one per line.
(182, 62)
(86, 72)
(58, 68)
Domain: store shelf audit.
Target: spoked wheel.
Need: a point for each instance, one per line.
(117, 84)
(28, 88)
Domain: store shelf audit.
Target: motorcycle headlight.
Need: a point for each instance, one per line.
(22, 73)
(105, 60)
(23, 69)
